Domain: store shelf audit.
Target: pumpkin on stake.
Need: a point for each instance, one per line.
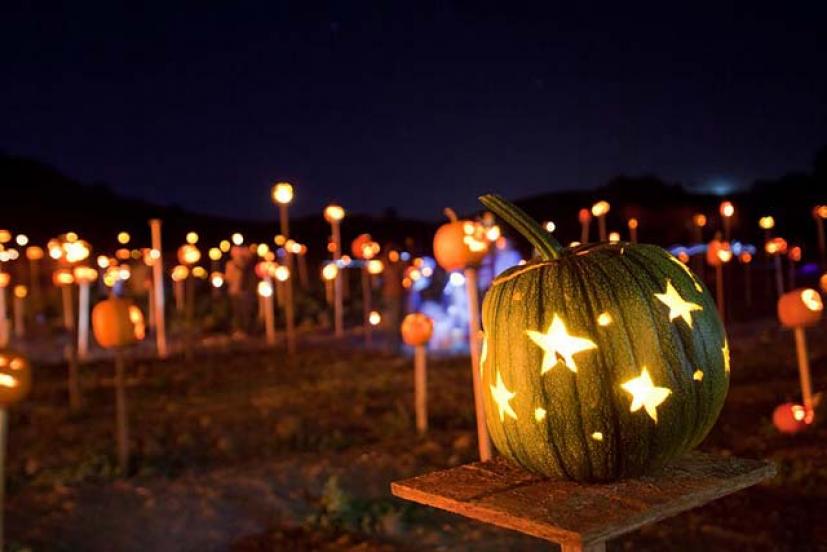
(600, 361)
(117, 324)
(15, 383)
(416, 330)
(461, 245)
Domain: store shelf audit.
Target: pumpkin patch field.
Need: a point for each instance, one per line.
(245, 448)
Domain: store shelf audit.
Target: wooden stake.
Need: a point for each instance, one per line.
(421, 389)
(4, 429)
(719, 290)
(338, 307)
(584, 230)
(178, 290)
(19, 317)
(303, 278)
(4, 320)
(803, 367)
(68, 308)
(189, 284)
(289, 308)
(366, 305)
(83, 320)
(121, 421)
(483, 440)
(601, 227)
(34, 284)
(158, 294)
(269, 323)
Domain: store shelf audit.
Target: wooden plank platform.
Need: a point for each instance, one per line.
(576, 515)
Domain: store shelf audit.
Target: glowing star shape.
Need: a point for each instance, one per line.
(539, 414)
(502, 396)
(678, 306)
(645, 394)
(698, 375)
(559, 345)
(725, 352)
(483, 353)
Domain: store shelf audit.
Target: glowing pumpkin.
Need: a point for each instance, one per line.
(15, 378)
(417, 329)
(718, 252)
(363, 247)
(600, 361)
(800, 307)
(459, 243)
(791, 418)
(117, 322)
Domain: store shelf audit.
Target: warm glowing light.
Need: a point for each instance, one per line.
(559, 346)
(584, 216)
(699, 220)
(632, 223)
(216, 279)
(745, 257)
(597, 436)
(493, 233)
(820, 211)
(192, 238)
(539, 414)
(724, 254)
(237, 238)
(645, 394)
(5, 280)
(76, 251)
(456, 279)
(199, 272)
(188, 254)
(345, 260)
(574, 244)
(13, 254)
(502, 396)
(224, 246)
(123, 238)
(34, 253)
(265, 289)
(374, 318)
(614, 237)
(698, 375)
(137, 319)
(329, 272)
(767, 223)
(63, 277)
(604, 319)
(683, 257)
(282, 192)
(22, 240)
(375, 266)
(71, 236)
(180, 273)
(799, 412)
(812, 300)
(600, 208)
(214, 253)
(85, 274)
(21, 291)
(262, 249)
(725, 353)
(294, 247)
(822, 282)
(8, 381)
(279, 240)
(282, 273)
(794, 253)
(5, 236)
(550, 226)
(727, 209)
(678, 306)
(334, 213)
(776, 246)
(122, 254)
(370, 250)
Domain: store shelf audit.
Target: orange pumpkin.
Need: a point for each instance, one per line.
(459, 243)
(417, 329)
(363, 247)
(800, 307)
(117, 322)
(792, 418)
(718, 252)
(15, 378)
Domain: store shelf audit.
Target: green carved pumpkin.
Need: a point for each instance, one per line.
(601, 361)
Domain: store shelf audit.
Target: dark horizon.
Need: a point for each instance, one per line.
(410, 108)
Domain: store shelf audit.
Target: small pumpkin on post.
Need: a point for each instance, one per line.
(798, 309)
(718, 253)
(15, 384)
(416, 330)
(600, 361)
(365, 249)
(461, 245)
(118, 324)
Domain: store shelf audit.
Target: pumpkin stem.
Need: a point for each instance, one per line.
(548, 248)
(451, 214)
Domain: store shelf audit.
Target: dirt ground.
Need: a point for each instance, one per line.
(245, 449)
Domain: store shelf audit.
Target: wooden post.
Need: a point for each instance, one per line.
(727, 228)
(19, 317)
(34, 284)
(269, 323)
(366, 305)
(178, 290)
(719, 290)
(633, 233)
(328, 291)
(289, 308)
(303, 278)
(803, 367)
(601, 227)
(83, 320)
(483, 439)
(150, 305)
(158, 294)
(338, 307)
(584, 230)
(189, 285)
(421, 389)
(779, 277)
(4, 429)
(68, 308)
(121, 422)
(4, 320)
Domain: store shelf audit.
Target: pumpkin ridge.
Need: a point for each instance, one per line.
(621, 408)
(528, 268)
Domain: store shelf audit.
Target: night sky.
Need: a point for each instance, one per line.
(415, 105)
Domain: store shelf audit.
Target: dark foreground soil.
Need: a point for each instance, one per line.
(249, 450)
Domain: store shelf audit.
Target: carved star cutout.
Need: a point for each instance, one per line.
(501, 396)
(678, 306)
(483, 353)
(645, 394)
(725, 352)
(559, 345)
